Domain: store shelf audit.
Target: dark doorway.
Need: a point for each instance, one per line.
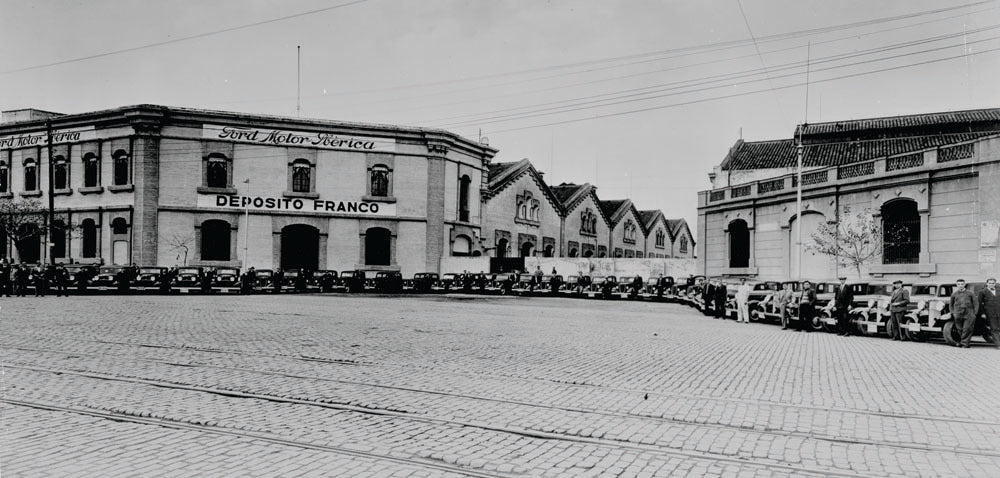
(299, 247)
(527, 249)
(739, 244)
(29, 245)
(377, 246)
(901, 232)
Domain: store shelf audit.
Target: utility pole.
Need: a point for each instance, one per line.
(50, 217)
(798, 191)
(246, 229)
(298, 80)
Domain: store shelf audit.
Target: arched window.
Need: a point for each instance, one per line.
(619, 252)
(502, 248)
(119, 226)
(217, 171)
(463, 197)
(380, 180)
(29, 244)
(534, 211)
(30, 175)
(547, 252)
(60, 173)
(739, 244)
(461, 246)
(121, 167)
(57, 235)
(602, 251)
(660, 238)
(527, 249)
(684, 245)
(89, 231)
(378, 242)
(215, 237)
(91, 171)
(301, 176)
(900, 232)
(573, 252)
(4, 177)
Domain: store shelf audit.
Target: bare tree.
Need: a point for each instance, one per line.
(21, 221)
(853, 239)
(182, 244)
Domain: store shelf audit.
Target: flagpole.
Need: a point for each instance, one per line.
(246, 229)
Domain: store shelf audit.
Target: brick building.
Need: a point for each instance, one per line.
(585, 227)
(152, 184)
(522, 217)
(628, 233)
(931, 180)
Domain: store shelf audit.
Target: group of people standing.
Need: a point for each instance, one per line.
(15, 278)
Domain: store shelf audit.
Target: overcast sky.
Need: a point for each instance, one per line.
(640, 97)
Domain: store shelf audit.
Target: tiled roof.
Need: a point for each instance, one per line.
(967, 117)
(610, 207)
(781, 153)
(565, 191)
(844, 142)
(675, 226)
(649, 216)
(498, 169)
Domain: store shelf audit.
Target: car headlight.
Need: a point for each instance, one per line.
(920, 305)
(871, 303)
(939, 306)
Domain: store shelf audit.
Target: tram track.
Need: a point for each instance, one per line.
(721, 426)
(181, 425)
(528, 433)
(574, 384)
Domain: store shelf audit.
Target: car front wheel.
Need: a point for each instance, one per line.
(951, 333)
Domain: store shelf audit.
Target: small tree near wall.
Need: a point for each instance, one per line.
(854, 239)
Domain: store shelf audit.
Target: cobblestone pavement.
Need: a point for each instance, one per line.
(498, 387)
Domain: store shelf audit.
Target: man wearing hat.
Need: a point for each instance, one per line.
(989, 308)
(842, 300)
(897, 308)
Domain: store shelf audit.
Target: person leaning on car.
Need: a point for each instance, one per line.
(807, 306)
(721, 296)
(784, 297)
(989, 309)
(963, 310)
(897, 308)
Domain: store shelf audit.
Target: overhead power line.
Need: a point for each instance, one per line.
(736, 95)
(181, 39)
(732, 75)
(646, 95)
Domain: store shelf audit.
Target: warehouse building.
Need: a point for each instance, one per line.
(161, 185)
(931, 181)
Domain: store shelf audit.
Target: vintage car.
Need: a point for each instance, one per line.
(575, 285)
(324, 280)
(106, 278)
(450, 281)
(388, 282)
(761, 300)
(658, 288)
(823, 318)
(551, 283)
(502, 283)
(188, 280)
(424, 281)
(871, 315)
(932, 316)
(603, 287)
(354, 281)
(149, 279)
(264, 281)
(685, 289)
(227, 280)
(80, 275)
(625, 287)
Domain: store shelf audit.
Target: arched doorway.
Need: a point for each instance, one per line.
(739, 244)
(549, 251)
(900, 232)
(502, 248)
(29, 244)
(527, 249)
(378, 244)
(814, 264)
(461, 246)
(299, 247)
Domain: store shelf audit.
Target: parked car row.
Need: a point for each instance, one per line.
(928, 316)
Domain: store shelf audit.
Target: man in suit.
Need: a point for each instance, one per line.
(721, 296)
(989, 309)
(781, 300)
(807, 306)
(963, 310)
(843, 297)
(898, 302)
